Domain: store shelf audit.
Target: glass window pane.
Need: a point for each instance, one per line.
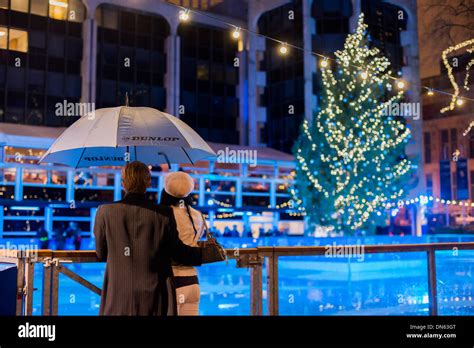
(76, 11)
(58, 9)
(39, 7)
(19, 5)
(18, 40)
(3, 38)
(110, 18)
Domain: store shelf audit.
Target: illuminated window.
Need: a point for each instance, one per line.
(18, 40)
(58, 9)
(19, 5)
(3, 38)
(203, 72)
(39, 7)
(4, 4)
(13, 39)
(76, 11)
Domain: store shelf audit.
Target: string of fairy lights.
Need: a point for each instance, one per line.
(185, 15)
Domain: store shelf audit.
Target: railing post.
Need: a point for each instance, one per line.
(70, 186)
(47, 279)
(432, 289)
(202, 191)
(54, 288)
(1, 221)
(48, 221)
(272, 284)
(29, 286)
(256, 286)
(273, 200)
(20, 283)
(19, 184)
(238, 193)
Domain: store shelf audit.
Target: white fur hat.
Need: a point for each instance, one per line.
(179, 184)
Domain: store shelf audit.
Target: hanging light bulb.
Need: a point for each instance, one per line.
(459, 101)
(401, 84)
(430, 92)
(283, 48)
(324, 63)
(364, 75)
(236, 33)
(184, 15)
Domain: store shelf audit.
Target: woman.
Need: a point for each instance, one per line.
(190, 225)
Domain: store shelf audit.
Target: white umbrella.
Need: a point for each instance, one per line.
(113, 136)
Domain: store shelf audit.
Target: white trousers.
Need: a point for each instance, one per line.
(188, 299)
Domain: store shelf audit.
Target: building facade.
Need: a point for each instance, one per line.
(448, 146)
(234, 92)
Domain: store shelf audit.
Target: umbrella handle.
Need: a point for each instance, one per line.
(166, 158)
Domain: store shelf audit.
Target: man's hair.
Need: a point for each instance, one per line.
(136, 177)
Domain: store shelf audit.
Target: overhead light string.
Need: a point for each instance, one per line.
(285, 46)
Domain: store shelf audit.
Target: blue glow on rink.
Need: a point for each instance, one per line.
(378, 284)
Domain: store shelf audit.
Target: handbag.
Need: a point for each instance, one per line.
(211, 245)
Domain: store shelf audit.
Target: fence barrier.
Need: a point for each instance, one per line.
(253, 258)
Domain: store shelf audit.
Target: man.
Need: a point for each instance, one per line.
(138, 239)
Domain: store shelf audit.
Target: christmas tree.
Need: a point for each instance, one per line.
(351, 157)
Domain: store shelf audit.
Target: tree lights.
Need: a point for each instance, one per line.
(351, 158)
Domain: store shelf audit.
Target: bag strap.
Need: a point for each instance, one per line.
(206, 228)
(192, 221)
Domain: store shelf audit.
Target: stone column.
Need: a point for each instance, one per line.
(173, 62)
(309, 60)
(89, 57)
(356, 10)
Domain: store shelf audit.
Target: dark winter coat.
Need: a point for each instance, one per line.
(138, 239)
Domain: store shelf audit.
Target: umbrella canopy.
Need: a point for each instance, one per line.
(113, 136)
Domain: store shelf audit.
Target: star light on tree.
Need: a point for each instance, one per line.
(351, 157)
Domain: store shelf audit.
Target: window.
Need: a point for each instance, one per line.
(19, 5)
(472, 185)
(143, 77)
(471, 144)
(37, 33)
(332, 16)
(454, 141)
(58, 9)
(427, 138)
(444, 144)
(209, 81)
(14, 40)
(77, 11)
(285, 80)
(3, 38)
(39, 7)
(429, 184)
(455, 186)
(386, 22)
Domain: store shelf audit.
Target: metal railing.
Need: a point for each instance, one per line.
(252, 258)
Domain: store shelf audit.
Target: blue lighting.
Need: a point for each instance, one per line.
(24, 208)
